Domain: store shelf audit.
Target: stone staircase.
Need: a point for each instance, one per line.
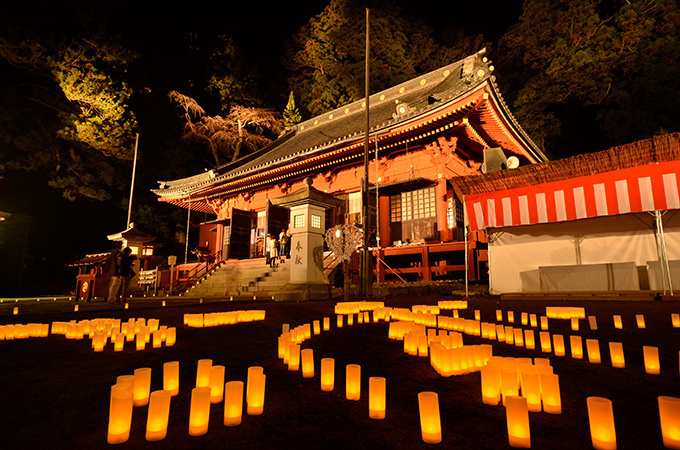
(243, 279)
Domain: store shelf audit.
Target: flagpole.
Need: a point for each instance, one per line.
(365, 266)
(132, 184)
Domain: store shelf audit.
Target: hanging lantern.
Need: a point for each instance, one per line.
(199, 412)
(616, 355)
(601, 419)
(203, 372)
(142, 387)
(327, 374)
(233, 403)
(255, 394)
(576, 344)
(558, 345)
(517, 419)
(353, 382)
(157, 418)
(593, 350)
(617, 322)
(430, 422)
(216, 383)
(550, 393)
(307, 362)
(529, 339)
(491, 385)
(669, 415)
(640, 320)
(651, 356)
(171, 377)
(376, 397)
(120, 414)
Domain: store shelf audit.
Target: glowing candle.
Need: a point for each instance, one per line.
(546, 346)
(531, 387)
(353, 382)
(651, 356)
(640, 320)
(478, 315)
(576, 344)
(550, 393)
(617, 322)
(253, 371)
(157, 418)
(203, 372)
(171, 336)
(532, 320)
(157, 341)
(524, 318)
(509, 382)
(233, 403)
(601, 419)
(327, 374)
(499, 315)
(350, 319)
(519, 337)
(140, 341)
(511, 316)
(558, 345)
(326, 323)
(307, 362)
(255, 394)
(294, 357)
(120, 414)
(15, 311)
(491, 385)
(593, 349)
(529, 339)
(500, 333)
(142, 387)
(171, 377)
(127, 306)
(75, 308)
(339, 321)
(544, 323)
(376, 397)
(430, 422)
(669, 415)
(509, 335)
(592, 320)
(216, 383)
(199, 412)
(517, 418)
(616, 354)
(574, 323)
(120, 342)
(317, 327)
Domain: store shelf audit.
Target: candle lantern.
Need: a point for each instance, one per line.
(509, 335)
(558, 345)
(601, 419)
(326, 323)
(142, 386)
(675, 320)
(509, 382)
(550, 393)
(491, 385)
(203, 372)
(617, 322)
(524, 318)
(171, 377)
(339, 322)
(511, 316)
(157, 341)
(592, 320)
(531, 387)
(157, 418)
(519, 337)
(233, 403)
(593, 349)
(616, 354)
(529, 339)
(500, 333)
(120, 414)
(669, 415)
(307, 361)
(353, 382)
(574, 323)
(499, 315)
(126, 380)
(199, 412)
(478, 315)
(253, 371)
(376, 397)
(640, 320)
(120, 342)
(517, 419)
(255, 394)
(140, 341)
(327, 374)
(576, 344)
(350, 319)
(293, 357)
(216, 383)
(544, 322)
(651, 357)
(546, 346)
(430, 422)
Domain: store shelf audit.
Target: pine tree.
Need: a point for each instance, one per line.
(291, 115)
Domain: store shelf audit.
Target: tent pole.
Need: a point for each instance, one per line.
(663, 253)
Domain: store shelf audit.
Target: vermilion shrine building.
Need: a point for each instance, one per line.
(423, 133)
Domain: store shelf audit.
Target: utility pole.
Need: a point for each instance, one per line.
(365, 260)
(132, 185)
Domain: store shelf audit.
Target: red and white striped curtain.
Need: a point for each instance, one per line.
(644, 188)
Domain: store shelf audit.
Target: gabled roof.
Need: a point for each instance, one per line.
(392, 107)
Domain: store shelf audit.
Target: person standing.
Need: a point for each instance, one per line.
(284, 239)
(112, 269)
(273, 251)
(122, 273)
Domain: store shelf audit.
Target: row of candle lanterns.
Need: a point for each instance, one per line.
(23, 331)
(223, 318)
(356, 307)
(134, 391)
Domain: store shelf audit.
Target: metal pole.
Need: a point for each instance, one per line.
(186, 238)
(465, 233)
(663, 254)
(132, 185)
(377, 209)
(365, 273)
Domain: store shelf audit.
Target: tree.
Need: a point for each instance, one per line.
(240, 130)
(326, 57)
(291, 115)
(611, 64)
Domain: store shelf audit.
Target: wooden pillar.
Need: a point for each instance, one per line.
(385, 221)
(427, 275)
(440, 195)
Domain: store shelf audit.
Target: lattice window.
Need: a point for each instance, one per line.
(395, 208)
(299, 221)
(315, 221)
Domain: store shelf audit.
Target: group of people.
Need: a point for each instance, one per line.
(120, 267)
(278, 249)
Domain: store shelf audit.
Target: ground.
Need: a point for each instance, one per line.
(54, 392)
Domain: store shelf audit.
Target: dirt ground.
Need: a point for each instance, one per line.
(54, 392)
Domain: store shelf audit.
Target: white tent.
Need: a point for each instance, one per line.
(607, 221)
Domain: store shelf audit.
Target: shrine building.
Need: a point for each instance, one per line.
(422, 133)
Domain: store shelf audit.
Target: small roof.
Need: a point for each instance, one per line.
(307, 195)
(132, 234)
(91, 260)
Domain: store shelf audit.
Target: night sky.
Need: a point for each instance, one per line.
(160, 33)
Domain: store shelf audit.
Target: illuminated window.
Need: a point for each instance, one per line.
(413, 215)
(148, 251)
(299, 221)
(354, 207)
(261, 219)
(135, 250)
(315, 221)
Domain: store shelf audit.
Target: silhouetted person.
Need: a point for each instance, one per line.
(122, 275)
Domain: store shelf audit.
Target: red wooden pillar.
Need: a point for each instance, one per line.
(384, 221)
(442, 205)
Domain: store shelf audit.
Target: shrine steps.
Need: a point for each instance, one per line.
(244, 279)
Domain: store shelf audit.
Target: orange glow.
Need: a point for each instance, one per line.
(157, 418)
(376, 397)
(601, 419)
(216, 384)
(617, 322)
(651, 356)
(669, 415)
(233, 403)
(353, 382)
(616, 354)
(491, 385)
(171, 377)
(558, 345)
(142, 386)
(203, 372)
(199, 412)
(430, 422)
(593, 349)
(255, 394)
(307, 361)
(550, 393)
(327, 374)
(517, 419)
(576, 344)
(120, 414)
